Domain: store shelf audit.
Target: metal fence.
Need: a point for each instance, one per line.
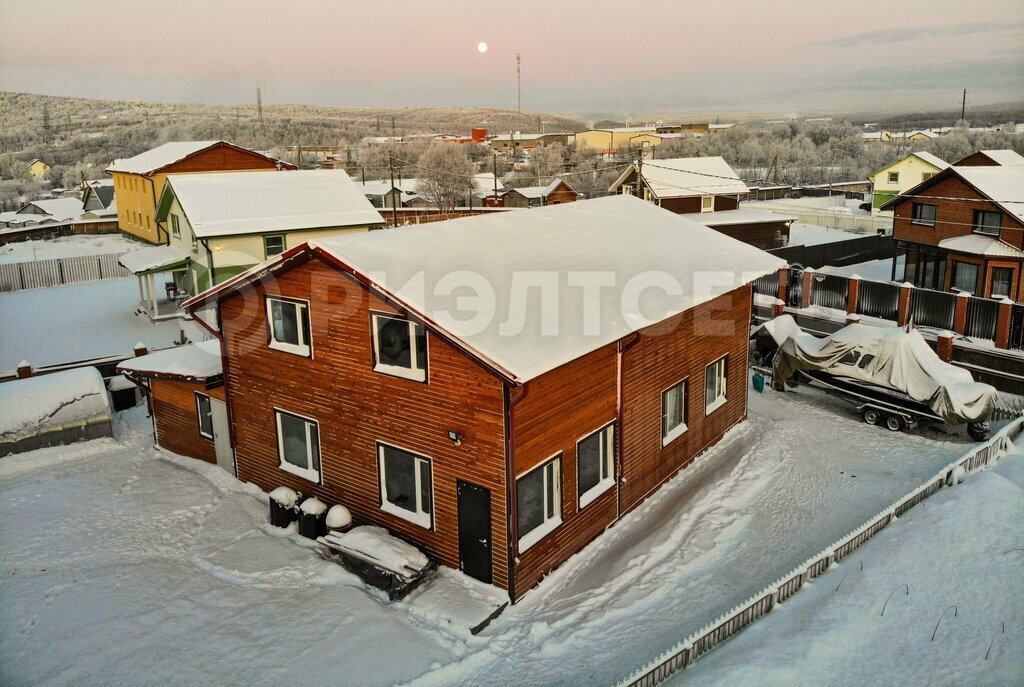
(795, 287)
(982, 317)
(877, 299)
(767, 285)
(932, 308)
(839, 253)
(17, 276)
(1017, 327)
(729, 624)
(830, 291)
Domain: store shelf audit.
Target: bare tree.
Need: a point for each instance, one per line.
(445, 175)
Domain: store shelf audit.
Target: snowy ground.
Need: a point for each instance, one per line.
(66, 247)
(876, 270)
(76, 322)
(801, 234)
(121, 567)
(963, 546)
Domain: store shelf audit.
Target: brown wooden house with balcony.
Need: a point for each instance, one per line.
(501, 439)
(963, 230)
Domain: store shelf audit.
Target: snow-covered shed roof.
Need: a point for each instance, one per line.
(539, 191)
(234, 203)
(161, 156)
(618, 238)
(976, 244)
(153, 258)
(58, 208)
(30, 405)
(741, 216)
(1007, 158)
(1003, 185)
(687, 176)
(192, 362)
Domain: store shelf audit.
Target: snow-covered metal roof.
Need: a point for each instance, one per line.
(741, 216)
(538, 191)
(688, 176)
(1008, 158)
(933, 160)
(585, 244)
(57, 208)
(198, 361)
(234, 203)
(977, 244)
(1002, 185)
(159, 157)
(153, 258)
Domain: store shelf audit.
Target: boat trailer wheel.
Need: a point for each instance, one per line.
(893, 423)
(871, 416)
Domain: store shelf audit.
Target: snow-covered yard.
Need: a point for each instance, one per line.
(801, 234)
(77, 322)
(66, 247)
(876, 270)
(121, 567)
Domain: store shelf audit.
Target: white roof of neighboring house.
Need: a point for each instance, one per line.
(159, 157)
(233, 203)
(485, 182)
(1002, 185)
(1008, 158)
(741, 216)
(383, 187)
(58, 208)
(538, 191)
(688, 176)
(526, 137)
(976, 244)
(933, 160)
(618, 237)
(146, 259)
(190, 362)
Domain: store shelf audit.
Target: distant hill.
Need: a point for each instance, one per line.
(65, 131)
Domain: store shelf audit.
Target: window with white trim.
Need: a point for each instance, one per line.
(205, 412)
(707, 204)
(406, 485)
(894, 177)
(289, 326)
(714, 386)
(399, 347)
(595, 464)
(273, 245)
(539, 502)
(673, 413)
(298, 445)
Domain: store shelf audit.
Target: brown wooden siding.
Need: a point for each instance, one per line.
(357, 407)
(561, 194)
(690, 204)
(763, 235)
(220, 158)
(176, 418)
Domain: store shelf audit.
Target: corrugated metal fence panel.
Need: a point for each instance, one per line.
(982, 315)
(830, 291)
(44, 273)
(932, 308)
(877, 299)
(767, 285)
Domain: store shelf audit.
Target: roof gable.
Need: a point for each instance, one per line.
(165, 155)
(687, 176)
(928, 158)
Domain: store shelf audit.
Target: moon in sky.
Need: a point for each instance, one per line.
(482, 47)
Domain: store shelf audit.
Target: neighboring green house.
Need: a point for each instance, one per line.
(220, 224)
(904, 174)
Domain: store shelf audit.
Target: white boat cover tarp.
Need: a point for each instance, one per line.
(889, 357)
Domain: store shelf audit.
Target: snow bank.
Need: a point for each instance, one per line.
(29, 405)
(374, 544)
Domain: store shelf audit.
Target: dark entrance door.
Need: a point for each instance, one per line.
(474, 531)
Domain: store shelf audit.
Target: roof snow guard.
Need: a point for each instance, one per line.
(609, 261)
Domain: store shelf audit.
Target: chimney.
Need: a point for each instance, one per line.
(24, 370)
(140, 349)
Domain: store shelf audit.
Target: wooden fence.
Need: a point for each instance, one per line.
(760, 604)
(17, 276)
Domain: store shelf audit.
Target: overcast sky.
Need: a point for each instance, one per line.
(623, 59)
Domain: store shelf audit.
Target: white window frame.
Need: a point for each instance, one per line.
(706, 206)
(307, 473)
(422, 518)
(607, 469)
(667, 437)
(175, 226)
(719, 401)
(893, 178)
(284, 245)
(305, 346)
(413, 373)
(550, 524)
(199, 413)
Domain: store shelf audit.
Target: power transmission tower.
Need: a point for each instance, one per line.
(259, 105)
(519, 86)
(47, 127)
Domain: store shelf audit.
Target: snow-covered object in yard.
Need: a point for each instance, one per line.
(156, 257)
(234, 203)
(284, 496)
(313, 506)
(338, 517)
(191, 362)
(53, 409)
(375, 545)
(120, 383)
(889, 357)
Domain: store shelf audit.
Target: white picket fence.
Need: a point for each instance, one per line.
(725, 626)
(17, 276)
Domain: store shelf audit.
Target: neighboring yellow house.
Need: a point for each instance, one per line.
(610, 140)
(222, 224)
(903, 174)
(37, 169)
(139, 180)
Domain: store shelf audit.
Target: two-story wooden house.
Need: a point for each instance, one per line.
(903, 174)
(139, 180)
(963, 230)
(685, 184)
(555, 193)
(497, 389)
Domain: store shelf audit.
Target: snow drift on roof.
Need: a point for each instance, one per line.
(152, 258)
(1003, 185)
(31, 405)
(579, 246)
(689, 176)
(159, 157)
(233, 203)
(191, 361)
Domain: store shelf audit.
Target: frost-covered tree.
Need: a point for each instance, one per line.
(445, 175)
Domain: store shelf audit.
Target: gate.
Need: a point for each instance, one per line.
(795, 289)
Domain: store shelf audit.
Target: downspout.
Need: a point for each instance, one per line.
(511, 506)
(621, 346)
(227, 388)
(209, 262)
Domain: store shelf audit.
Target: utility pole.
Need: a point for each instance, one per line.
(259, 105)
(495, 160)
(963, 108)
(639, 175)
(519, 86)
(394, 203)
